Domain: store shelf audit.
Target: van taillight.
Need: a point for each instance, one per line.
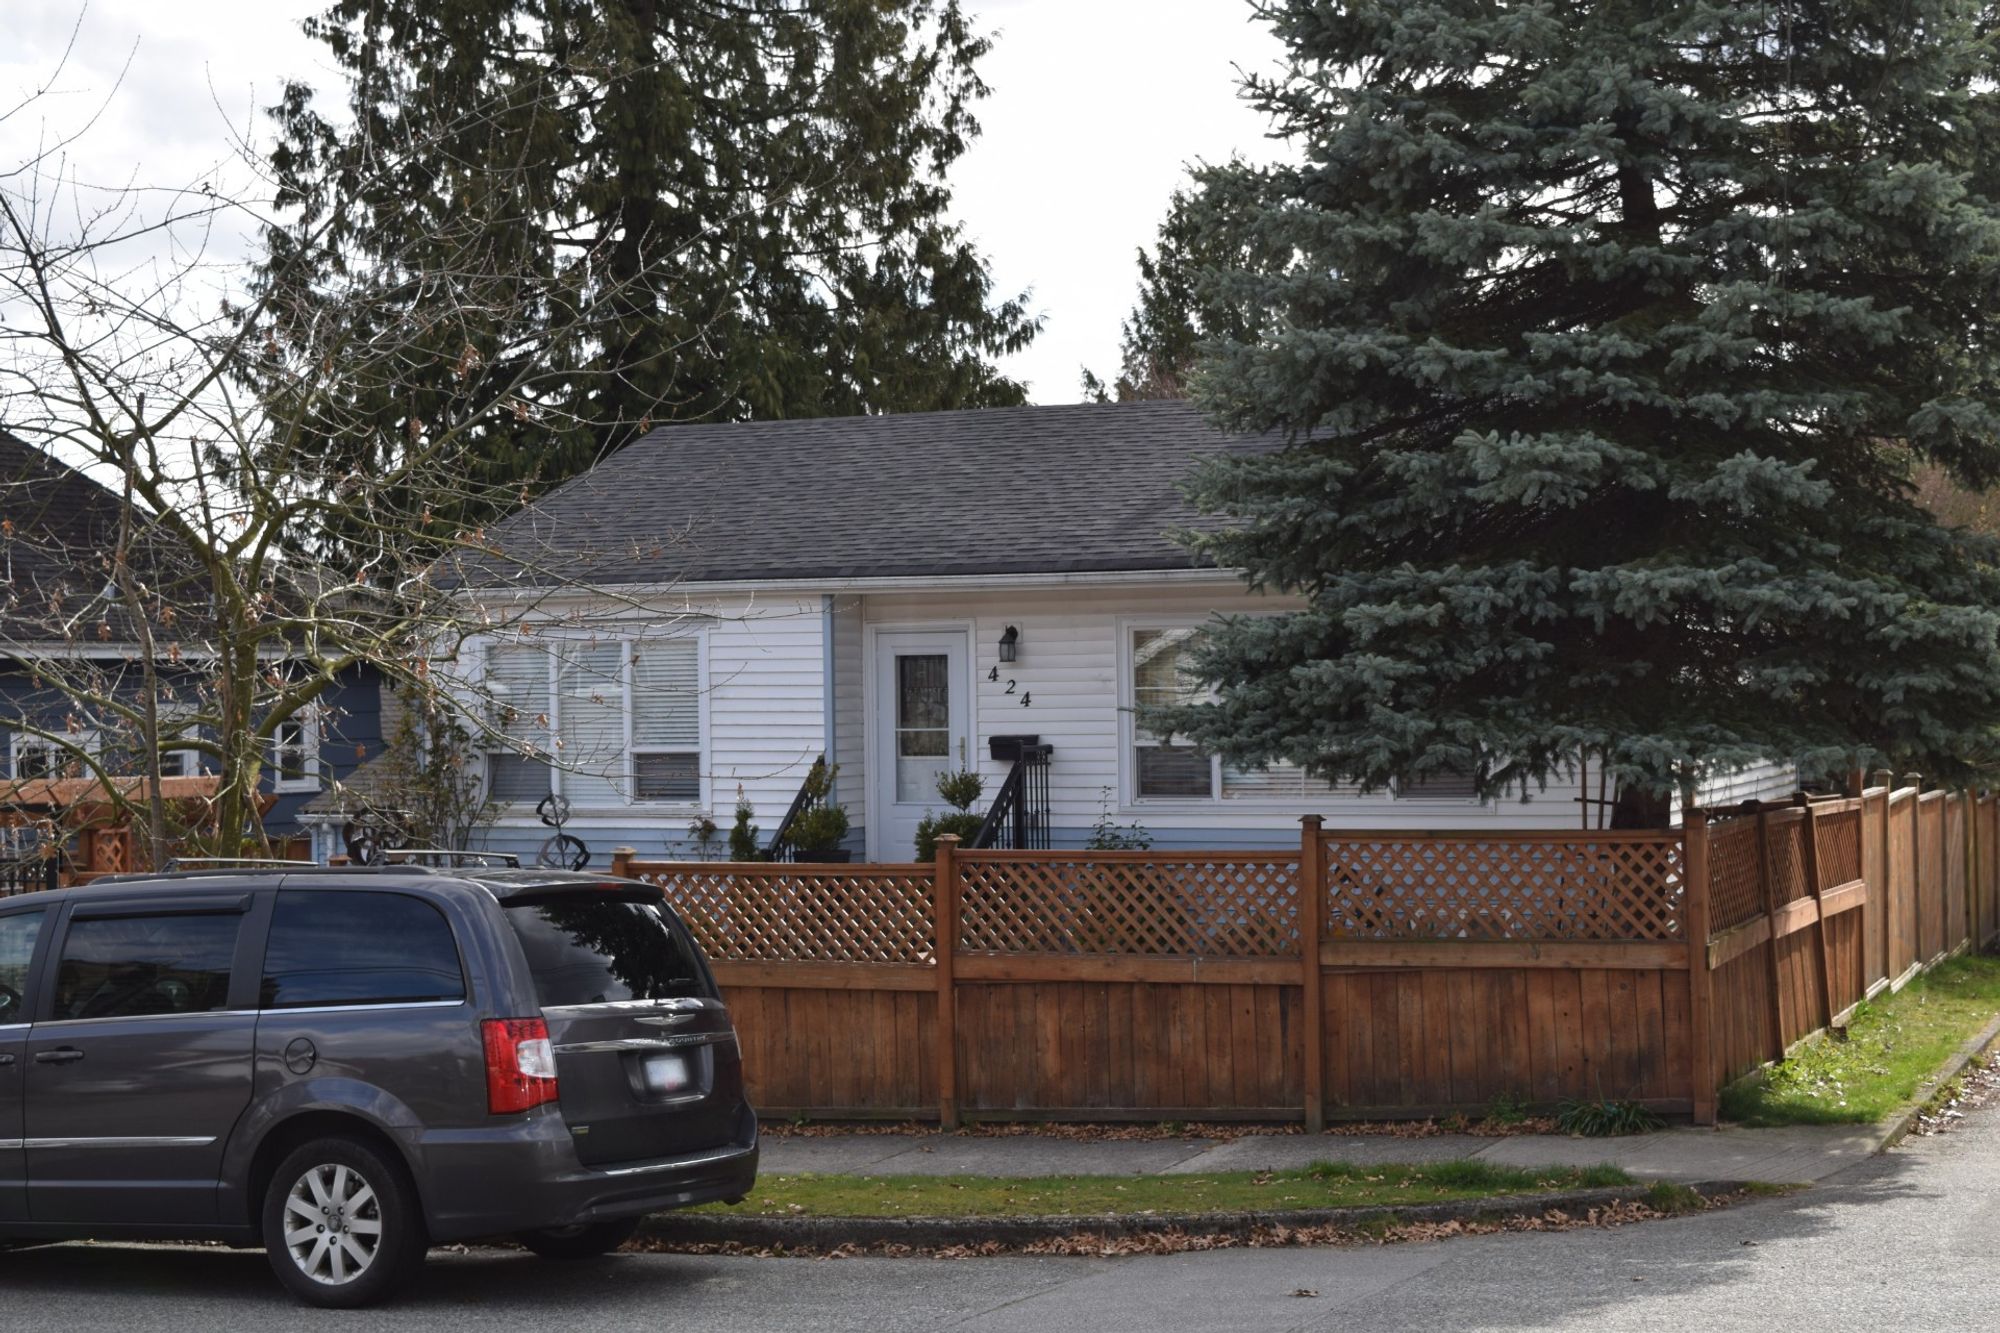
(520, 1065)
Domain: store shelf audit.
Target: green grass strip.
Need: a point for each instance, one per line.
(1893, 1045)
(1323, 1185)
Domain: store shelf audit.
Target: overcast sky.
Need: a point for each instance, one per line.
(1097, 107)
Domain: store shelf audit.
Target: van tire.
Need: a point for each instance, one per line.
(383, 1235)
(587, 1241)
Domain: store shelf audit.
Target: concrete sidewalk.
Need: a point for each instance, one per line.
(1796, 1155)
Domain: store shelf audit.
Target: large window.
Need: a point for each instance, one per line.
(295, 753)
(602, 721)
(31, 756)
(1164, 768)
(358, 948)
(597, 949)
(127, 966)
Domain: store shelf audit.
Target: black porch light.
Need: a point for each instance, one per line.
(1010, 644)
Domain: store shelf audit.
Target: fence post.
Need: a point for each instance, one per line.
(1694, 865)
(944, 914)
(1971, 872)
(1768, 894)
(1811, 836)
(621, 861)
(1312, 885)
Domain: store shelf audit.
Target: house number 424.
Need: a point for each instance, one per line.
(994, 675)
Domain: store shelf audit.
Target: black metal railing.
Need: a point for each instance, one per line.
(782, 847)
(29, 874)
(1019, 818)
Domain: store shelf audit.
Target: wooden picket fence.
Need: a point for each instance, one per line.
(1425, 973)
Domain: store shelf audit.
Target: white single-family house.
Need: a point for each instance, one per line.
(908, 595)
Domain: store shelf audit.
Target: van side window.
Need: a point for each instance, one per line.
(126, 966)
(346, 947)
(18, 934)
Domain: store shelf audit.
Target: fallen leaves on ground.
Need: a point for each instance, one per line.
(1978, 1086)
(1222, 1131)
(1618, 1213)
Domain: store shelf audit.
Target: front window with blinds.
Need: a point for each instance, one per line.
(601, 721)
(1164, 768)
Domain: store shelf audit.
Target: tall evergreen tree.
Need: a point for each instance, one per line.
(757, 186)
(1605, 339)
(1158, 342)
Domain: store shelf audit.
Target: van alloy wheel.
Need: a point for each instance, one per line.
(342, 1222)
(333, 1224)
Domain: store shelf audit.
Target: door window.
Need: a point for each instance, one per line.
(344, 948)
(923, 724)
(18, 934)
(127, 966)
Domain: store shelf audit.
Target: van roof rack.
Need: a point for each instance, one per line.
(178, 863)
(448, 857)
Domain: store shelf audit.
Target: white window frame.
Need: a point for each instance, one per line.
(1128, 741)
(632, 641)
(191, 759)
(1128, 733)
(307, 719)
(86, 740)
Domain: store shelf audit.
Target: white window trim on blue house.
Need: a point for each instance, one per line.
(623, 779)
(23, 742)
(303, 728)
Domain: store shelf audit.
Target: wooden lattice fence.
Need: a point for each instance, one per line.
(1364, 974)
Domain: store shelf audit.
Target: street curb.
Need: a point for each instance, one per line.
(1900, 1124)
(825, 1233)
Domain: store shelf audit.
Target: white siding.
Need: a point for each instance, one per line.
(1761, 782)
(1069, 670)
(765, 711)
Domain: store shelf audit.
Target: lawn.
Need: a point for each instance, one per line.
(1324, 1185)
(1893, 1044)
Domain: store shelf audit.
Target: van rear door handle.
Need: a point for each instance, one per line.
(6, 1059)
(61, 1055)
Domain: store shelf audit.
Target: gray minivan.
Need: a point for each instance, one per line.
(348, 1066)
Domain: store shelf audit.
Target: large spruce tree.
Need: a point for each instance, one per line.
(1605, 341)
(733, 208)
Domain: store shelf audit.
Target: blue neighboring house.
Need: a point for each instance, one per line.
(54, 521)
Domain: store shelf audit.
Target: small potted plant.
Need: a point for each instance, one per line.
(960, 791)
(743, 844)
(818, 829)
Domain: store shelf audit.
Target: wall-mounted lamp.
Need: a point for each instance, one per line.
(1010, 644)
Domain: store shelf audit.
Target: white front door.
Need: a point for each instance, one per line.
(921, 731)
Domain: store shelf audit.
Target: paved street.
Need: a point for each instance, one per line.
(1904, 1240)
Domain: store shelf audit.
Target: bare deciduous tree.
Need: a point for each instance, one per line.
(215, 577)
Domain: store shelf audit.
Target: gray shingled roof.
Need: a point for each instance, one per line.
(1087, 487)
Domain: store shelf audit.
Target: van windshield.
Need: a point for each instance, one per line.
(592, 950)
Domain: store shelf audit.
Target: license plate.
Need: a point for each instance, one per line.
(667, 1074)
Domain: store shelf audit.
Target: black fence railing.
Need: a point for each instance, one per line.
(782, 848)
(1019, 818)
(29, 874)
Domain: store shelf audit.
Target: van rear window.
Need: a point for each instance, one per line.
(590, 950)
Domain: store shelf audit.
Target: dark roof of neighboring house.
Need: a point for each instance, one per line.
(1089, 487)
(60, 528)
